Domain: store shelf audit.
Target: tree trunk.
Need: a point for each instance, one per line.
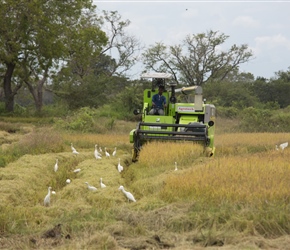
(8, 93)
(39, 101)
(37, 93)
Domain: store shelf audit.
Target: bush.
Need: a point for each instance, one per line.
(264, 120)
(89, 120)
(227, 112)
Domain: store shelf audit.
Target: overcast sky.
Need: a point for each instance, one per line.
(263, 25)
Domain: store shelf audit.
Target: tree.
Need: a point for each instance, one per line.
(276, 90)
(283, 75)
(197, 59)
(122, 47)
(33, 41)
(105, 72)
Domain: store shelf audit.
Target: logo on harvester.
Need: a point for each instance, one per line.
(185, 109)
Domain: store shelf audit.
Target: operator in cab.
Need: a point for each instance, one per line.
(158, 102)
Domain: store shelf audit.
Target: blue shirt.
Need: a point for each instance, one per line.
(159, 100)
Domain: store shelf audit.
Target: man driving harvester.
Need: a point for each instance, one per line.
(158, 102)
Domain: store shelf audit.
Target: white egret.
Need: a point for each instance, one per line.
(72, 147)
(282, 146)
(129, 196)
(97, 154)
(101, 183)
(47, 198)
(68, 181)
(100, 149)
(74, 151)
(120, 167)
(53, 192)
(92, 188)
(77, 170)
(175, 164)
(115, 151)
(56, 165)
(107, 154)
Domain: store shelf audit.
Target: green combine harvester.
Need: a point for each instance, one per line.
(182, 121)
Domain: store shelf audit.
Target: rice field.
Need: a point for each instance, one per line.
(238, 199)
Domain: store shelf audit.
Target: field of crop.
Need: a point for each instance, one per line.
(238, 199)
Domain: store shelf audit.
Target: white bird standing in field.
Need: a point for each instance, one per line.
(115, 151)
(97, 154)
(68, 181)
(74, 151)
(175, 164)
(107, 154)
(46, 201)
(120, 167)
(92, 188)
(56, 165)
(77, 170)
(282, 146)
(101, 183)
(100, 149)
(129, 196)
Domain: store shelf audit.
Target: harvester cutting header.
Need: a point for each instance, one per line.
(167, 119)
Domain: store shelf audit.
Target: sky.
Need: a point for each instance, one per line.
(263, 25)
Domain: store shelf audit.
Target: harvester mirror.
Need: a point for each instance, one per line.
(136, 111)
(172, 99)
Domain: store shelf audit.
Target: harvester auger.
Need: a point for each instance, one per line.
(182, 121)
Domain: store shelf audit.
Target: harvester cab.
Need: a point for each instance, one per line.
(182, 121)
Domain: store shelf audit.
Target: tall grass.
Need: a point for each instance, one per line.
(38, 141)
(240, 192)
(255, 179)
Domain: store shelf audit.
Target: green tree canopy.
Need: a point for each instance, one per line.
(198, 59)
(35, 36)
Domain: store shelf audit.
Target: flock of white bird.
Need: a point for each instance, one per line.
(98, 155)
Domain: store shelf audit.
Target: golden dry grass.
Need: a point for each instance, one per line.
(238, 198)
(254, 179)
(244, 143)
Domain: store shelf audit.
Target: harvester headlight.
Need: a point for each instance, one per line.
(210, 123)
